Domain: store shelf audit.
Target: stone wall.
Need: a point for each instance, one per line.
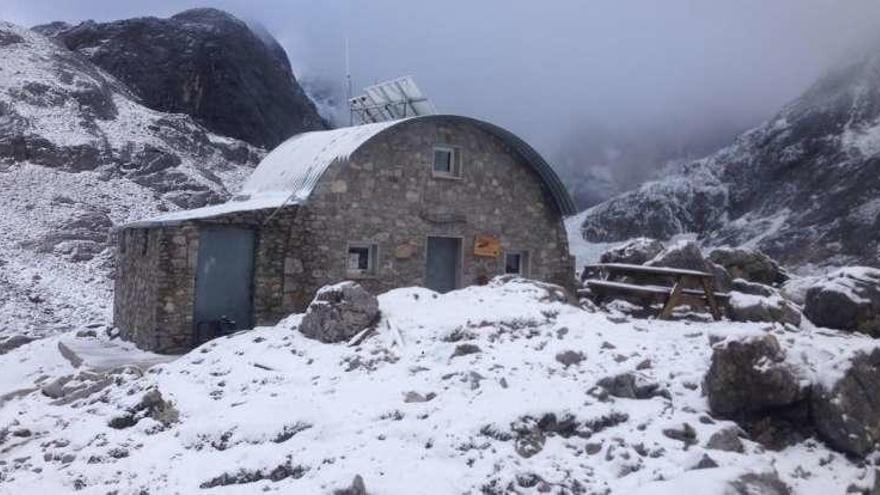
(135, 298)
(387, 194)
(155, 293)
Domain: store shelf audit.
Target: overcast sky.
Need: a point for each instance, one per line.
(546, 69)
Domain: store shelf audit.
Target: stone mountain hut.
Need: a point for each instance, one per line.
(438, 201)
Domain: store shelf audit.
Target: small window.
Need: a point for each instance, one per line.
(516, 263)
(361, 260)
(447, 161)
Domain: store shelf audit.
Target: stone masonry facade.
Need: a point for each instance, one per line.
(156, 278)
(386, 194)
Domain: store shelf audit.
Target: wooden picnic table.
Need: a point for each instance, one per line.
(671, 297)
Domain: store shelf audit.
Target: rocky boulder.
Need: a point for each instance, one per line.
(751, 265)
(684, 254)
(748, 307)
(723, 280)
(749, 375)
(339, 312)
(635, 251)
(632, 386)
(847, 299)
(846, 411)
(745, 287)
(759, 483)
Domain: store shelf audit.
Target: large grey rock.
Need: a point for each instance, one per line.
(632, 386)
(339, 312)
(751, 265)
(726, 439)
(749, 375)
(846, 413)
(723, 280)
(684, 254)
(758, 484)
(753, 288)
(234, 79)
(357, 487)
(635, 251)
(847, 299)
(747, 307)
(687, 255)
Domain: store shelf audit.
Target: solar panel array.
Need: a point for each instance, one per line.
(390, 100)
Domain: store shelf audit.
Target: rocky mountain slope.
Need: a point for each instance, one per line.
(803, 187)
(202, 62)
(496, 389)
(80, 153)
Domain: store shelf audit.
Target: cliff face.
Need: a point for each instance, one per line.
(804, 187)
(80, 153)
(202, 62)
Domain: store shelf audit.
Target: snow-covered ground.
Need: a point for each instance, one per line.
(449, 396)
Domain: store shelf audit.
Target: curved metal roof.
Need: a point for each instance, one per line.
(291, 170)
(289, 173)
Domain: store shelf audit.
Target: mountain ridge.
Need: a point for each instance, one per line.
(803, 186)
(203, 62)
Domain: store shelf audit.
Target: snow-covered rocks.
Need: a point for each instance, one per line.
(727, 439)
(339, 312)
(749, 307)
(846, 299)
(782, 396)
(632, 386)
(846, 411)
(749, 375)
(635, 251)
(684, 254)
(751, 265)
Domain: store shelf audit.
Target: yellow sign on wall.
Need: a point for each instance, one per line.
(485, 245)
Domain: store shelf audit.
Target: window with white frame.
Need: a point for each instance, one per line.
(516, 263)
(362, 259)
(447, 161)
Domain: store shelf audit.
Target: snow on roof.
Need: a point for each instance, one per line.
(293, 168)
(289, 173)
(232, 206)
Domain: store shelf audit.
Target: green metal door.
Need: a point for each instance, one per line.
(442, 263)
(224, 282)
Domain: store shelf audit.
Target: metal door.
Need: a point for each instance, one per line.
(442, 264)
(224, 280)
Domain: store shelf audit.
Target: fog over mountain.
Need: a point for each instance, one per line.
(606, 90)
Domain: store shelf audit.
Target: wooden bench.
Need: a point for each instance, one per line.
(669, 296)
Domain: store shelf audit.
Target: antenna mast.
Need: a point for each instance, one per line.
(348, 81)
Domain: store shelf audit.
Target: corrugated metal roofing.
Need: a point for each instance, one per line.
(288, 174)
